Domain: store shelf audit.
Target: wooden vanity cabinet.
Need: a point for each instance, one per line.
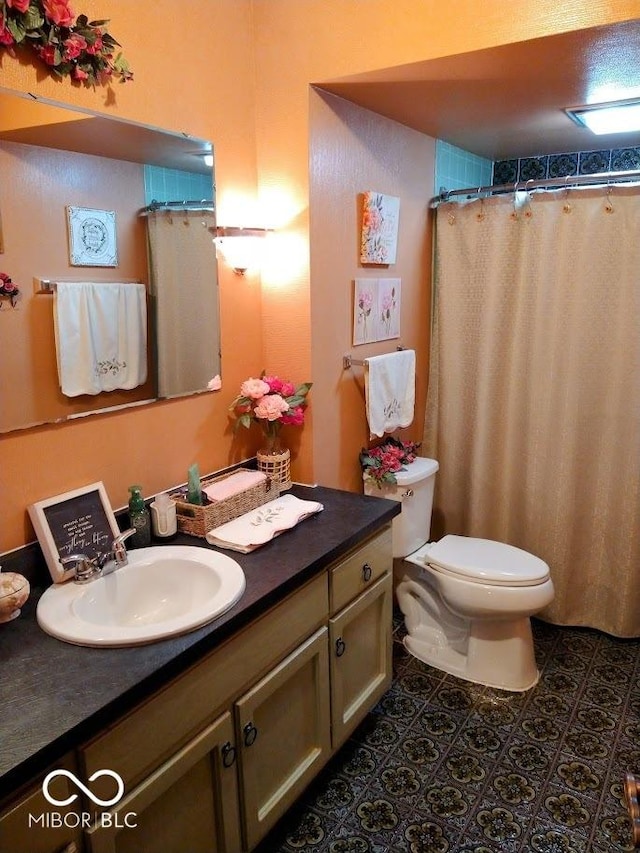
(215, 758)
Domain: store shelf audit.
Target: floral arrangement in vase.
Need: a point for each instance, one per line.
(270, 402)
(69, 46)
(381, 463)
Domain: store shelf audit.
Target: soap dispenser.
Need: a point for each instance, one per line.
(139, 518)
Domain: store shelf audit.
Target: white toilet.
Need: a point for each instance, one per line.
(466, 601)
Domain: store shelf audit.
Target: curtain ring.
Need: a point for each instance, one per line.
(608, 206)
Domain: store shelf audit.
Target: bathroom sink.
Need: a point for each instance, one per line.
(162, 592)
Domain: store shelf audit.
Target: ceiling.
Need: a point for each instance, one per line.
(508, 101)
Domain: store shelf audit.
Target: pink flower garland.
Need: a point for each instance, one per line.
(68, 46)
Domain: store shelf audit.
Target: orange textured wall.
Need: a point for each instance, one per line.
(238, 72)
(352, 150)
(298, 44)
(193, 72)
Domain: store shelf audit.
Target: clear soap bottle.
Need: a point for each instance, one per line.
(139, 518)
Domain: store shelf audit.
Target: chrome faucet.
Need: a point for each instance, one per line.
(90, 568)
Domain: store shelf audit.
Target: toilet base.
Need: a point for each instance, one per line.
(498, 654)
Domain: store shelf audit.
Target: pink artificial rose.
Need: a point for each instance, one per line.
(18, 5)
(5, 36)
(59, 12)
(288, 389)
(48, 54)
(271, 407)
(274, 384)
(215, 383)
(254, 388)
(79, 74)
(294, 417)
(96, 47)
(74, 46)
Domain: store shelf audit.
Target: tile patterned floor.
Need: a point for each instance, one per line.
(445, 766)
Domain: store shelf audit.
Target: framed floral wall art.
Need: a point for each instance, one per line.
(379, 239)
(376, 310)
(92, 237)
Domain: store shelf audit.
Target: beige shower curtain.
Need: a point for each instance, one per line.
(185, 298)
(533, 408)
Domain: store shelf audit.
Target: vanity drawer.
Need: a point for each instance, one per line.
(146, 737)
(360, 570)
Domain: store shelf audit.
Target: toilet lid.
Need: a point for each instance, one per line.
(486, 561)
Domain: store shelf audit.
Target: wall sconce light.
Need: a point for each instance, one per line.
(241, 247)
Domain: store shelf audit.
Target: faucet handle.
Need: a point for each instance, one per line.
(84, 567)
(118, 547)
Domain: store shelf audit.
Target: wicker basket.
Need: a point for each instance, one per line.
(199, 520)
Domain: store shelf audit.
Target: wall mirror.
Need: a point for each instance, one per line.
(160, 187)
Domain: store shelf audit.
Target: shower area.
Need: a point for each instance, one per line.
(533, 407)
(180, 220)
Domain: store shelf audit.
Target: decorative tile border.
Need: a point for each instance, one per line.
(565, 165)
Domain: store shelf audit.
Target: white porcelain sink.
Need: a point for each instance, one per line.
(162, 592)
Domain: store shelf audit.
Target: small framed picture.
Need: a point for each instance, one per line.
(77, 522)
(92, 237)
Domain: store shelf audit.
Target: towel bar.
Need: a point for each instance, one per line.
(48, 286)
(348, 361)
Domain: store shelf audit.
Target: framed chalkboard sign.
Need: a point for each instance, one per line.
(77, 522)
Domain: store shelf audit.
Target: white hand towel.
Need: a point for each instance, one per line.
(101, 336)
(261, 525)
(390, 390)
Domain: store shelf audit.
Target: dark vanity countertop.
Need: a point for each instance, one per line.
(54, 695)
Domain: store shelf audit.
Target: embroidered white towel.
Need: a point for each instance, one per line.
(261, 525)
(101, 336)
(390, 390)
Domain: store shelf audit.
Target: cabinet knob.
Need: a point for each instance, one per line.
(367, 571)
(250, 734)
(340, 647)
(408, 493)
(228, 754)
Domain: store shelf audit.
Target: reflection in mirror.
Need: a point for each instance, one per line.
(160, 187)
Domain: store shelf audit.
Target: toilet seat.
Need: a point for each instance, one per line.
(482, 561)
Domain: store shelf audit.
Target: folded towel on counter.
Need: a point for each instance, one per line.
(101, 336)
(233, 484)
(262, 524)
(390, 390)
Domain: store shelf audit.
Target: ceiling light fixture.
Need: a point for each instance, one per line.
(613, 117)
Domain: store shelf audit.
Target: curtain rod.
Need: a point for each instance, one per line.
(548, 183)
(197, 204)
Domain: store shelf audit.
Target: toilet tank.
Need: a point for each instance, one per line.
(414, 489)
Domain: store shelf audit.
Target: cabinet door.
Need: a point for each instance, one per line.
(34, 825)
(361, 667)
(283, 733)
(190, 803)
